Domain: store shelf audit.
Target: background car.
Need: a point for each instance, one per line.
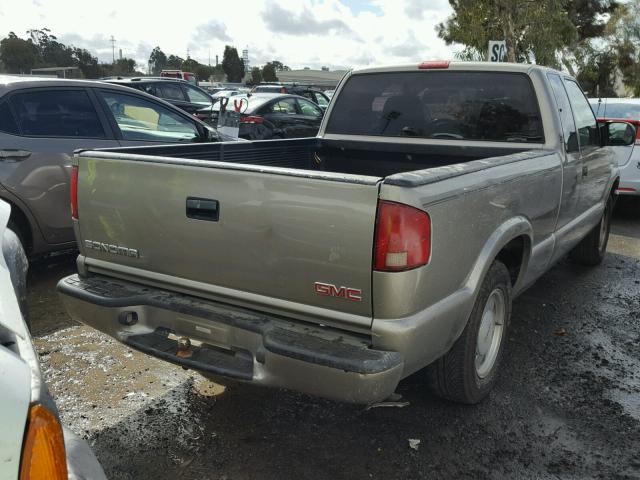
(267, 115)
(313, 94)
(43, 120)
(180, 93)
(628, 110)
(32, 439)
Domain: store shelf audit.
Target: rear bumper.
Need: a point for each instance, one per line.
(233, 342)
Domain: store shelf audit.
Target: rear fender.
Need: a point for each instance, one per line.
(505, 233)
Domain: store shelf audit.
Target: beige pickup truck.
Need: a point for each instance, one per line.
(338, 265)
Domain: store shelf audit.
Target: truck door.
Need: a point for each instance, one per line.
(572, 163)
(596, 161)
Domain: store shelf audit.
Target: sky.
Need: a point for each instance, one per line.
(300, 33)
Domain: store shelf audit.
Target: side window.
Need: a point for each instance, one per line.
(139, 119)
(566, 117)
(149, 88)
(309, 109)
(196, 96)
(56, 113)
(286, 106)
(588, 133)
(321, 99)
(171, 91)
(7, 121)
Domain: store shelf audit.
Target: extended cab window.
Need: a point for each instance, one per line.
(588, 134)
(139, 119)
(566, 117)
(489, 106)
(56, 113)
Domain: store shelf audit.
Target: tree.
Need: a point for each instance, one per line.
(232, 64)
(124, 67)
(51, 52)
(532, 30)
(624, 35)
(256, 75)
(269, 73)
(157, 61)
(18, 55)
(279, 66)
(87, 63)
(174, 62)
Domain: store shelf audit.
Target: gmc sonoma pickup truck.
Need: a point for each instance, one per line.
(338, 265)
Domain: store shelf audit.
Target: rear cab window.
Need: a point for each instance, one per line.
(56, 113)
(459, 105)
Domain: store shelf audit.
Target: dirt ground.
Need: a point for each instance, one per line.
(567, 405)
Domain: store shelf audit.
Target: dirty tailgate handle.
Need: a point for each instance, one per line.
(203, 209)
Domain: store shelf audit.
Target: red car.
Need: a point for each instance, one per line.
(188, 76)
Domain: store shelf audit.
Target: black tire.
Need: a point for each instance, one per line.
(592, 248)
(456, 376)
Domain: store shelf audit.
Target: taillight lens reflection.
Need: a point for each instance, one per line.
(402, 238)
(73, 191)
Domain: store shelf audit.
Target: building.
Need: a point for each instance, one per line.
(318, 78)
(59, 72)
(245, 59)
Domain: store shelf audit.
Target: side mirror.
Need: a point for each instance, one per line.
(619, 134)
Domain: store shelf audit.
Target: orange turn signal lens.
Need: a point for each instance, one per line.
(43, 455)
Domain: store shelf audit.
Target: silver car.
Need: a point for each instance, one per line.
(42, 122)
(627, 109)
(33, 443)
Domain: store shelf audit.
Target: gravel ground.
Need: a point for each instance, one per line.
(567, 405)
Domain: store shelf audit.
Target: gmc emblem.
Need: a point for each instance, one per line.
(330, 290)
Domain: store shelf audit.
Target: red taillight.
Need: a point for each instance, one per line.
(434, 64)
(626, 189)
(73, 190)
(402, 238)
(252, 119)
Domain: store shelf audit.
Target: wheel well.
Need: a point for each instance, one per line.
(614, 188)
(22, 225)
(512, 256)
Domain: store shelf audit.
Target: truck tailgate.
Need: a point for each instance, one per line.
(293, 242)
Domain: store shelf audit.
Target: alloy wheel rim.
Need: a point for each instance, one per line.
(490, 333)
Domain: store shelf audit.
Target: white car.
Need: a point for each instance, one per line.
(628, 110)
(33, 443)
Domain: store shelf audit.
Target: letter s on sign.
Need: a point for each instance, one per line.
(330, 290)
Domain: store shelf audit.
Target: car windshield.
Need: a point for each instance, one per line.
(446, 105)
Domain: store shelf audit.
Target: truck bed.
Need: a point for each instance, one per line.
(377, 159)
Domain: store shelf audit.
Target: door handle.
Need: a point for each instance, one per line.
(14, 154)
(585, 170)
(203, 209)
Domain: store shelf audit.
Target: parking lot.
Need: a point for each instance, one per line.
(567, 404)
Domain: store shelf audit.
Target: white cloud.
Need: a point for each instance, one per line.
(300, 33)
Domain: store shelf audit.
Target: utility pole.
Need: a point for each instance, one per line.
(187, 54)
(113, 49)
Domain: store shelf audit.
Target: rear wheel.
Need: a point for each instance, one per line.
(592, 249)
(468, 372)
